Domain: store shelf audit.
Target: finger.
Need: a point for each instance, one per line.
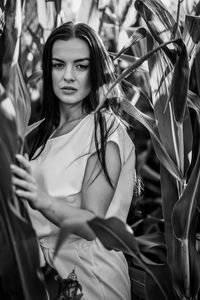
(13, 188)
(22, 184)
(24, 162)
(24, 194)
(21, 173)
(26, 156)
(28, 196)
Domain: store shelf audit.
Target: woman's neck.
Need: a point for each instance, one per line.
(71, 115)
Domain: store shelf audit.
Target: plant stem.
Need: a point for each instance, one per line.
(176, 150)
(182, 183)
(179, 153)
(177, 19)
(186, 267)
(181, 147)
(174, 136)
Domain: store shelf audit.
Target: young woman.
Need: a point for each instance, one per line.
(82, 162)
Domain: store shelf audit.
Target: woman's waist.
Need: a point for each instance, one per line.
(50, 241)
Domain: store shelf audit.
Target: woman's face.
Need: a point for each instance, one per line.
(71, 71)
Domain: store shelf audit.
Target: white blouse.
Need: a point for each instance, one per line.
(60, 169)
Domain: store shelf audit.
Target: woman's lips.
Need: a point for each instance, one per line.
(68, 90)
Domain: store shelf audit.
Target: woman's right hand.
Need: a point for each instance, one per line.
(25, 185)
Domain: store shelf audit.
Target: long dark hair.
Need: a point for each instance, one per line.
(101, 75)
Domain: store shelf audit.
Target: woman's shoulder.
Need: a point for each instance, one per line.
(117, 129)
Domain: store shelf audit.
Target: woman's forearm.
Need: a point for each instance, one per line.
(59, 212)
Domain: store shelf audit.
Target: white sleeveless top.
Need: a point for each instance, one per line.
(60, 169)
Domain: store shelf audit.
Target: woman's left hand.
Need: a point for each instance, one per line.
(25, 185)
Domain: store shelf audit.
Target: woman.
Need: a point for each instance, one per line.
(82, 162)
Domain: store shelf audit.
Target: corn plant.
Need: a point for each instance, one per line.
(173, 65)
(20, 277)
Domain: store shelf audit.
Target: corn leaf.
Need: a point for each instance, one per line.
(194, 101)
(8, 40)
(22, 253)
(21, 250)
(75, 225)
(20, 97)
(152, 245)
(184, 216)
(130, 59)
(150, 124)
(152, 290)
(114, 234)
(179, 96)
(36, 76)
(194, 263)
(169, 198)
(10, 74)
(148, 223)
(150, 240)
(159, 21)
(157, 254)
(31, 127)
(164, 111)
(89, 13)
(134, 66)
(159, 12)
(111, 15)
(155, 13)
(187, 36)
(139, 34)
(197, 68)
(8, 130)
(177, 247)
(197, 8)
(185, 264)
(191, 33)
(186, 206)
(160, 89)
(142, 95)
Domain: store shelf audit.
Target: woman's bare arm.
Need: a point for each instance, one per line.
(96, 192)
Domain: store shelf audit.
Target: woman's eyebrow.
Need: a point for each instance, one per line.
(76, 60)
(81, 59)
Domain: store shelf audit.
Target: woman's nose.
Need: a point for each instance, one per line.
(68, 73)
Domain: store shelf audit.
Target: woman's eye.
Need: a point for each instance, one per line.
(57, 65)
(82, 67)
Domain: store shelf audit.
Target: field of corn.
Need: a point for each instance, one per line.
(155, 46)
